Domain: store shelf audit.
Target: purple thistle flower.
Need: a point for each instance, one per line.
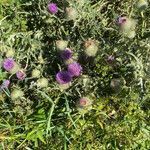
(121, 20)
(5, 84)
(74, 69)
(21, 75)
(8, 64)
(63, 77)
(52, 7)
(66, 54)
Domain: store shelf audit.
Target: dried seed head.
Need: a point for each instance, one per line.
(74, 69)
(8, 64)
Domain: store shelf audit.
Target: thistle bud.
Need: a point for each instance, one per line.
(84, 104)
(15, 94)
(91, 47)
(21, 75)
(116, 84)
(42, 82)
(66, 54)
(126, 24)
(5, 84)
(72, 13)
(61, 44)
(142, 4)
(36, 73)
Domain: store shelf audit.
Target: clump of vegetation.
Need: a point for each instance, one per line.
(74, 74)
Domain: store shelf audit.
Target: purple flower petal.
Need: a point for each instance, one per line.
(5, 84)
(74, 69)
(8, 64)
(66, 54)
(121, 20)
(63, 77)
(21, 75)
(52, 7)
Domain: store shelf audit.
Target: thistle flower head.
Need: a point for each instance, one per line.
(121, 20)
(126, 24)
(74, 69)
(5, 84)
(84, 104)
(66, 54)
(21, 75)
(52, 7)
(8, 64)
(63, 77)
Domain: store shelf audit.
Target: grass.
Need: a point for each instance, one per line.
(49, 118)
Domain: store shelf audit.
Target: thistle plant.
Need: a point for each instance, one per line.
(77, 71)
